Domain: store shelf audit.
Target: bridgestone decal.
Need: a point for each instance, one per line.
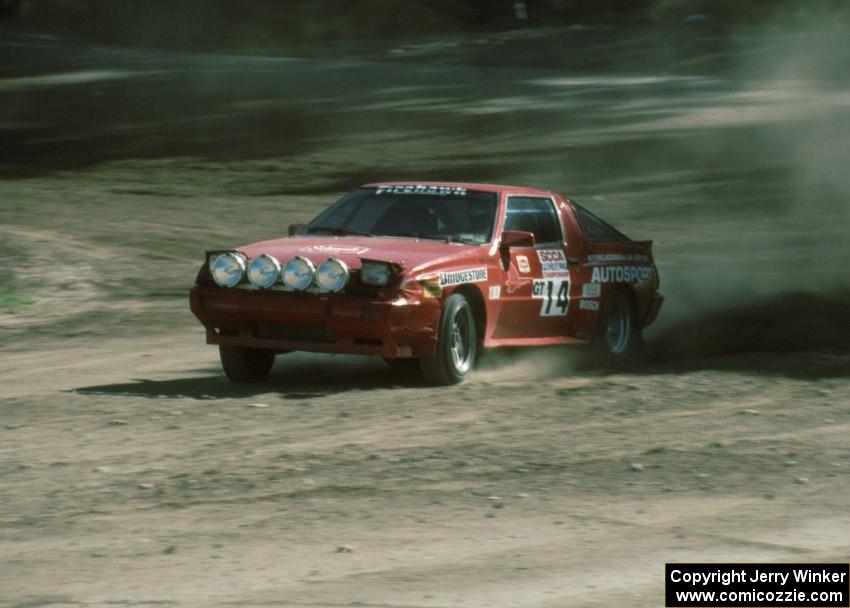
(473, 275)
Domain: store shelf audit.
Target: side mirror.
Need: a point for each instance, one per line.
(516, 238)
(296, 228)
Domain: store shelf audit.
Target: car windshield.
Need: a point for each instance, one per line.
(424, 212)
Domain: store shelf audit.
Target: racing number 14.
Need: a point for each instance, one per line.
(555, 294)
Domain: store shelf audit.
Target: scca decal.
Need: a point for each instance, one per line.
(552, 261)
(621, 274)
(472, 275)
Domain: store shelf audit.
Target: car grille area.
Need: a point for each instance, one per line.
(294, 333)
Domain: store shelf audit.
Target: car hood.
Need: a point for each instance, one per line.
(412, 255)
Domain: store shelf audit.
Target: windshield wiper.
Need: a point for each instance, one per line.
(455, 238)
(336, 231)
(421, 235)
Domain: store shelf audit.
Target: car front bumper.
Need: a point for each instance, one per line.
(405, 326)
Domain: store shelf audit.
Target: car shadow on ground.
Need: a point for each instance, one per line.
(795, 334)
(293, 377)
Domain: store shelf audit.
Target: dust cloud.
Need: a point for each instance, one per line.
(765, 269)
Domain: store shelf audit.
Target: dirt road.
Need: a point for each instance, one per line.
(133, 474)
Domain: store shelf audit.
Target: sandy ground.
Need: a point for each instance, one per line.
(133, 474)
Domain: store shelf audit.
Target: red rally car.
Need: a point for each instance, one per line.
(427, 275)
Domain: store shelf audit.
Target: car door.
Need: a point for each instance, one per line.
(538, 287)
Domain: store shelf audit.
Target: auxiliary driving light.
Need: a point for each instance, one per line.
(332, 275)
(227, 269)
(298, 273)
(263, 271)
(375, 273)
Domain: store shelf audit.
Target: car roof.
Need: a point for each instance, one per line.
(468, 186)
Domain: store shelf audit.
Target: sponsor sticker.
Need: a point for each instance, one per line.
(616, 257)
(431, 288)
(588, 305)
(456, 277)
(522, 264)
(495, 292)
(555, 294)
(552, 261)
(422, 189)
(621, 274)
(337, 249)
(591, 290)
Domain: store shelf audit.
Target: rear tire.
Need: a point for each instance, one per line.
(243, 364)
(618, 341)
(457, 344)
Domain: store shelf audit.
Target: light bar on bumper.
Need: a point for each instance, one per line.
(227, 269)
(332, 275)
(263, 271)
(298, 273)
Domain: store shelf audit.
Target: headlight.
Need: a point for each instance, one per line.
(332, 275)
(263, 271)
(375, 273)
(227, 269)
(298, 273)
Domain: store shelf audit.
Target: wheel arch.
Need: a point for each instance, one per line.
(475, 298)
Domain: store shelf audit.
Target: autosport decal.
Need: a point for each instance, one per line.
(334, 249)
(472, 275)
(616, 257)
(621, 274)
(555, 294)
(552, 261)
(421, 189)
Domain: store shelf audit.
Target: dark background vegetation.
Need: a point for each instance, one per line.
(269, 24)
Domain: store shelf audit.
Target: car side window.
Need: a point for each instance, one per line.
(598, 230)
(534, 215)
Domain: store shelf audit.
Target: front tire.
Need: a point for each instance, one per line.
(457, 344)
(619, 340)
(242, 364)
